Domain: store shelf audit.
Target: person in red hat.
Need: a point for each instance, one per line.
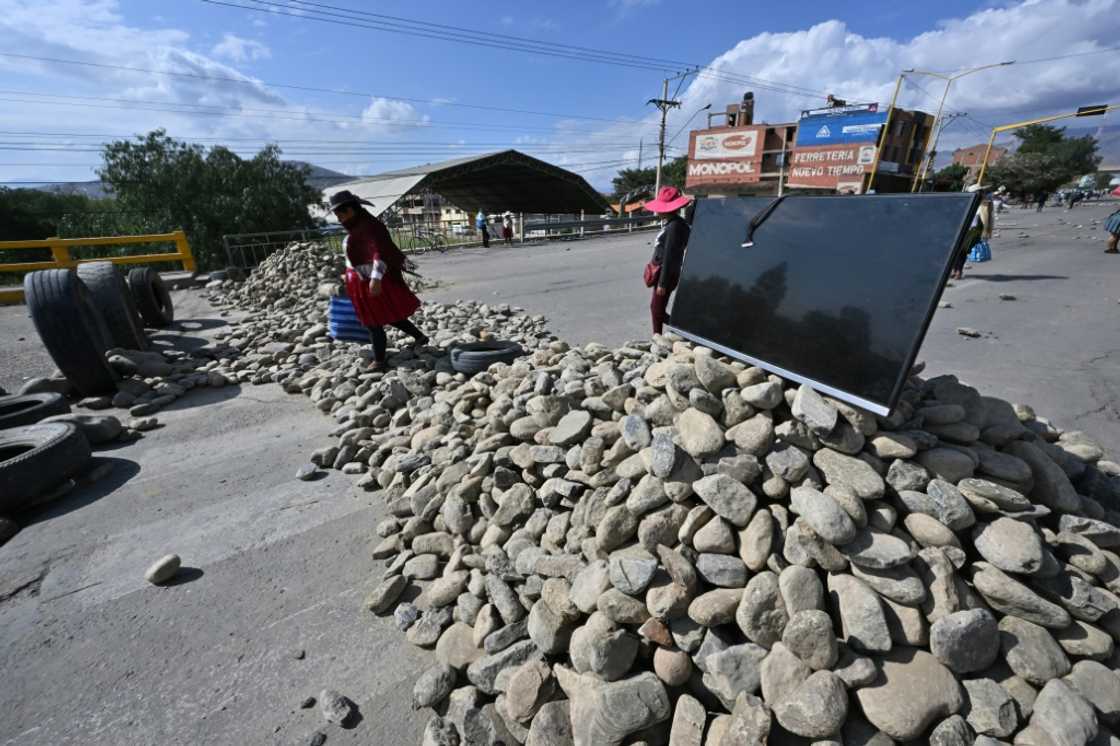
(374, 276)
(664, 269)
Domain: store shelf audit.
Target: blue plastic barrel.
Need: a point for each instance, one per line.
(342, 322)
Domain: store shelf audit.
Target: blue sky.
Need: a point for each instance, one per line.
(252, 69)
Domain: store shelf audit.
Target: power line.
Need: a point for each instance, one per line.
(264, 140)
(350, 17)
(283, 114)
(312, 89)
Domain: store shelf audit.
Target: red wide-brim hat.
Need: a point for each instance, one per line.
(669, 199)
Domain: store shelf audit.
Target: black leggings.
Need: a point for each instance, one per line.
(380, 342)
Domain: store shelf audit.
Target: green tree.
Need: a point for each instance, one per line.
(1102, 180)
(30, 214)
(1038, 138)
(950, 179)
(1045, 160)
(208, 193)
(629, 179)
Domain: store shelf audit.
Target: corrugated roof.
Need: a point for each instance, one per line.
(492, 182)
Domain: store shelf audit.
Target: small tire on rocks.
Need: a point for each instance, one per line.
(36, 458)
(151, 297)
(28, 409)
(478, 356)
(115, 301)
(71, 328)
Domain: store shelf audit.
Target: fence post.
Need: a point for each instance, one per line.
(60, 253)
(184, 249)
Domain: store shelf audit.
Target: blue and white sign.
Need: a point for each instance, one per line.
(838, 129)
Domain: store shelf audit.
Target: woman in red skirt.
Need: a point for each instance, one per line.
(374, 277)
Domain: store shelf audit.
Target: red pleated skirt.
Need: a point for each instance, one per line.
(396, 302)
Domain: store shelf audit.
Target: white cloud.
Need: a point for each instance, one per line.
(386, 115)
(237, 49)
(831, 58)
(238, 109)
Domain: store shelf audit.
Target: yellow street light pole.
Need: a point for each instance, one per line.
(883, 133)
(920, 178)
(1095, 111)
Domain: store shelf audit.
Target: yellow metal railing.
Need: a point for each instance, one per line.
(60, 255)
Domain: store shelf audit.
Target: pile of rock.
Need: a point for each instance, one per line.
(652, 545)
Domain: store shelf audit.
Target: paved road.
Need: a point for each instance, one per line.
(93, 655)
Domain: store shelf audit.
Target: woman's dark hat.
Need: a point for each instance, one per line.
(346, 197)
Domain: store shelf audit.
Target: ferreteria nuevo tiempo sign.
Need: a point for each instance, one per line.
(831, 166)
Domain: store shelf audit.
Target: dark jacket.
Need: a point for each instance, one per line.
(669, 251)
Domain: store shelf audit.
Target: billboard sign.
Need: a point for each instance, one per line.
(720, 145)
(831, 167)
(725, 156)
(836, 129)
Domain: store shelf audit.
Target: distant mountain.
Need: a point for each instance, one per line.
(320, 177)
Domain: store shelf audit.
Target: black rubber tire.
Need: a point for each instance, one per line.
(116, 304)
(72, 329)
(151, 297)
(16, 411)
(36, 458)
(478, 356)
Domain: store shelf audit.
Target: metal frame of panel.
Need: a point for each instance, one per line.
(911, 354)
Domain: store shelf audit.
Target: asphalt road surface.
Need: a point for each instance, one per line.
(94, 655)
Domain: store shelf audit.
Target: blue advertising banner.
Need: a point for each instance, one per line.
(838, 129)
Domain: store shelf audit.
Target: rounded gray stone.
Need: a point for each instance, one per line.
(965, 641)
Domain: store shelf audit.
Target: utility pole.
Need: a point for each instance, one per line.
(639, 154)
(664, 104)
(945, 122)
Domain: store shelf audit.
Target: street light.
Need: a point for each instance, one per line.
(702, 108)
(937, 118)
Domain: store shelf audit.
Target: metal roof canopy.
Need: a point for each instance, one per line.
(494, 182)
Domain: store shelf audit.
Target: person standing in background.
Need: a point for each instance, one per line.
(1112, 225)
(480, 223)
(507, 229)
(664, 269)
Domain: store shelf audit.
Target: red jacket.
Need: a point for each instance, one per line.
(370, 242)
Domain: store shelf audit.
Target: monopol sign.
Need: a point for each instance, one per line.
(719, 145)
(724, 156)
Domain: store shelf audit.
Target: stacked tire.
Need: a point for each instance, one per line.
(79, 315)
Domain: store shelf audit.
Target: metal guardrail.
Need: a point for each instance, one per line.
(583, 227)
(246, 250)
(61, 258)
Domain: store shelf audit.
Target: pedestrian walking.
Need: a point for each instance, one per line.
(1112, 225)
(664, 270)
(374, 276)
(1042, 199)
(981, 230)
(507, 229)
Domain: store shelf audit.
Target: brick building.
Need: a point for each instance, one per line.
(973, 156)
